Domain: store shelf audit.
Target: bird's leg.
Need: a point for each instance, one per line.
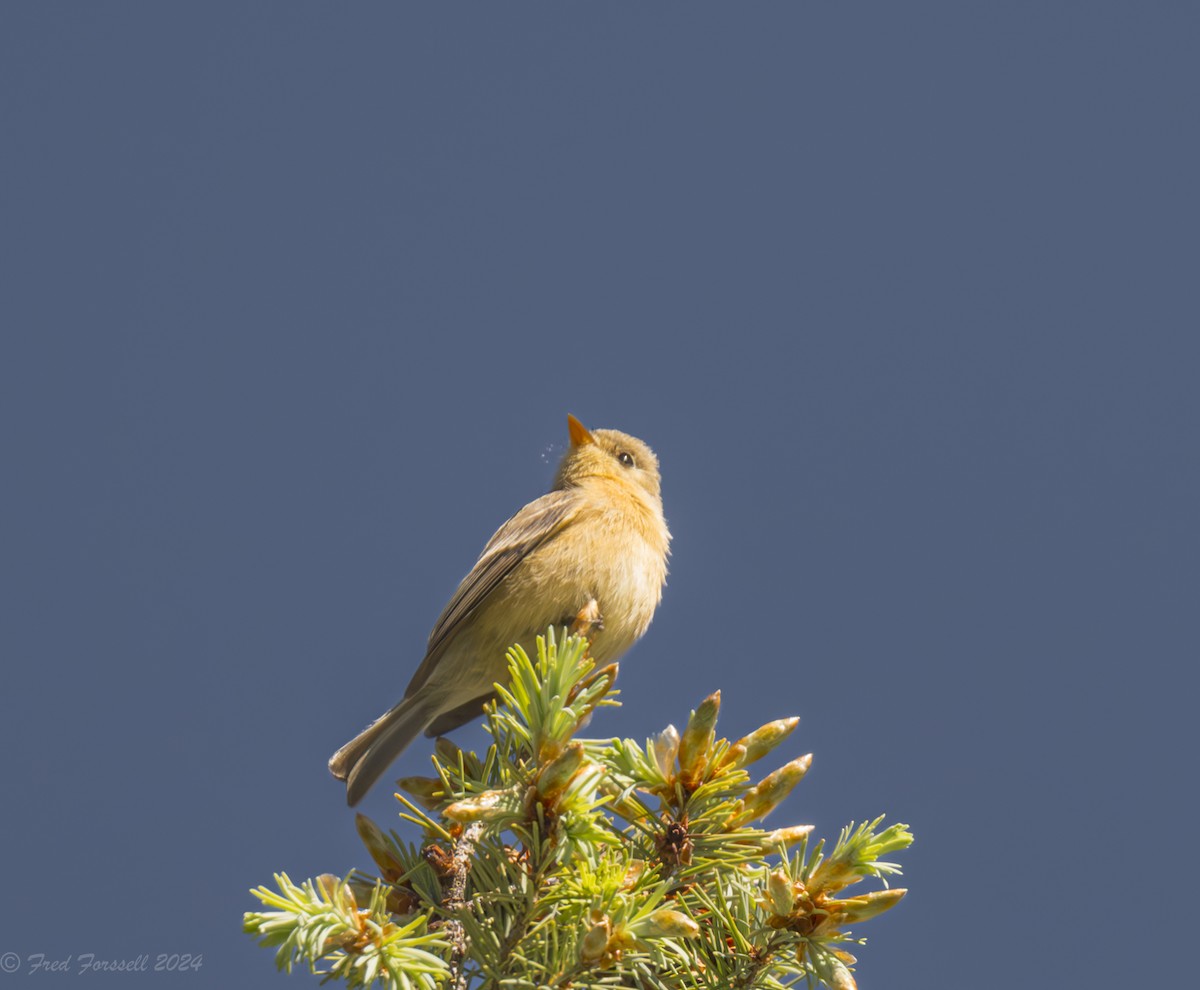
(587, 620)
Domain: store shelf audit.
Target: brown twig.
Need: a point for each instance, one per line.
(455, 898)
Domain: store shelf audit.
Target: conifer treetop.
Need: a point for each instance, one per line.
(554, 861)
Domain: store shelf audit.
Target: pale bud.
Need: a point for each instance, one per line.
(666, 748)
(481, 807)
(761, 799)
(594, 942)
(697, 739)
(765, 738)
(780, 893)
(855, 909)
(786, 837)
(842, 979)
(665, 923)
(557, 774)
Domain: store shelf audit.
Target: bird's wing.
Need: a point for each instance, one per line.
(540, 521)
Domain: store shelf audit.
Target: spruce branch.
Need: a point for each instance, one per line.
(460, 867)
(555, 861)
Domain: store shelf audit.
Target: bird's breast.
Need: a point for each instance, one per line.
(609, 552)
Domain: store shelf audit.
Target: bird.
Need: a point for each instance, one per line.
(591, 554)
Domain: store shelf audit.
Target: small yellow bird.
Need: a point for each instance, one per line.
(591, 553)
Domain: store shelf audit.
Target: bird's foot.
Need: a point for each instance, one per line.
(587, 620)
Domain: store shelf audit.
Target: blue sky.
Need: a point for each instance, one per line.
(296, 299)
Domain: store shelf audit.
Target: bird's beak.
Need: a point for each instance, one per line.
(579, 432)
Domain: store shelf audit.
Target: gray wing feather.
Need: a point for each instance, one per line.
(540, 521)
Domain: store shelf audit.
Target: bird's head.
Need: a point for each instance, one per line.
(607, 454)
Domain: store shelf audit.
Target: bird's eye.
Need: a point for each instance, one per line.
(625, 458)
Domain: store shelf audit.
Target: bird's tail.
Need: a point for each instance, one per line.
(364, 758)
